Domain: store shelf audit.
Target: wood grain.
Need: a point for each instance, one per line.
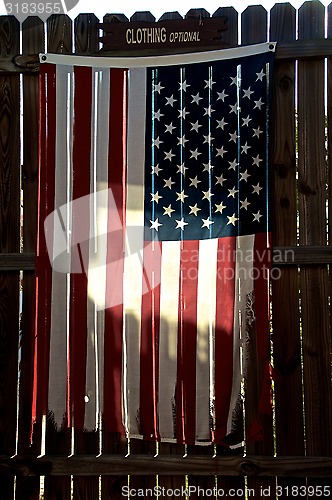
(9, 242)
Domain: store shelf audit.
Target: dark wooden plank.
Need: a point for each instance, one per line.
(86, 442)
(303, 49)
(59, 40)
(170, 15)
(230, 36)
(254, 30)
(86, 34)
(33, 42)
(285, 291)
(9, 242)
(253, 25)
(314, 282)
(143, 465)
(143, 16)
(197, 13)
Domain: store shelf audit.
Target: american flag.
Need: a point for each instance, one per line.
(153, 243)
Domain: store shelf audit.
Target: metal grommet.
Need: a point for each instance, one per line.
(43, 58)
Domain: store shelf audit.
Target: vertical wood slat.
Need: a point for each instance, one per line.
(254, 30)
(312, 212)
(59, 40)
(286, 320)
(86, 42)
(33, 42)
(9, 242)
(203, 482)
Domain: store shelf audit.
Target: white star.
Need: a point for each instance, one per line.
(257, 216)
(194, 182)
(221, 151)
(155, 197)
(220, 207)
(207, 167)
(183, 86)
(170, 100)
(180, 224)
(156, 142)
(245, 148)
(244, 176)
(157, 115)
(260, 75)
(209, 83)
(183, 113)
(247, 93)
(232, 219)
(259, 103)
(182, 140)
(194, 154)
(196, 98)
(158, 87)
(209, 111)
(169, 155)
(156, 169)
(168, 183)
(256, 161)
(220, 180)
(170, 128)
(245, 204)
(222, 95)
(256, 189)
(207, 223)
(181, 169)
(234, 80)
(233, 136)
(194, 209)
(208, 139)
(232, 192)
(181, 196)
(155, 224)
(168, 210)
(246, 121)
(234, 108)
(221, 123)
(207, 195)
(195, 126)
(257, 132)
(232, 165)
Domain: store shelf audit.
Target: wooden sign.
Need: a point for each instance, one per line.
(169, 34)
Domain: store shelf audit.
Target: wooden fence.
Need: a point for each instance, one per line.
(297, 447)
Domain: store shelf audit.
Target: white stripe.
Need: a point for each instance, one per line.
(132, 294)
(243, 286)
(206, 313)
(168, 335)
(150, 61)
(63, 168)
(97, 249)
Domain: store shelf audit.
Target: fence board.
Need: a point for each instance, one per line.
(33, 42)
(9, 242)
(254, 30)
(285, 314)
(59, 40)
(312, 212)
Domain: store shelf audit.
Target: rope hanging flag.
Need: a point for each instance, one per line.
(153, 248)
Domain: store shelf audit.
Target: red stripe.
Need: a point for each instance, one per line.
(114, 277)
(187, 342)
(80, 238)
(226, 267)
(46, 189)
(149, 352)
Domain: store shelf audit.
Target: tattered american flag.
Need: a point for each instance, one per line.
(152, 262)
